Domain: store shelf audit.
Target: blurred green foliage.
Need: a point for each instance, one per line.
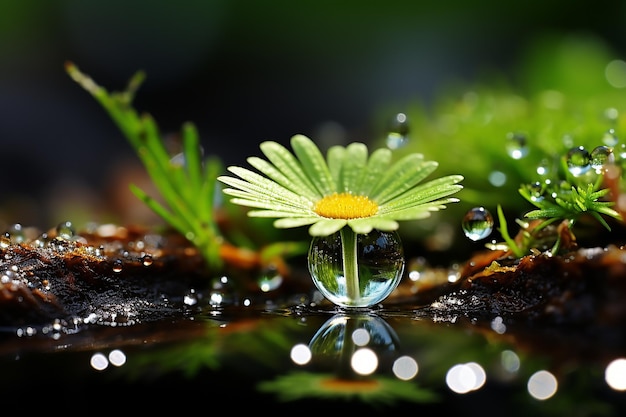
(568, 92)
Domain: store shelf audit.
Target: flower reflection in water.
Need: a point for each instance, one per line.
(345, 353)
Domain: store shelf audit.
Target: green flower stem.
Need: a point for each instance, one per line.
(350, 263)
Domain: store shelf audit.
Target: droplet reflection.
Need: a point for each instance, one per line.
(477, 223)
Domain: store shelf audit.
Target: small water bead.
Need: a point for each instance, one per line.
(190, 298)
(600, 157)
(17, 233)
(497, 178)
(477, 223)
(397, 137)
(147, 260)
(118, 266)
(65, 230)
(516, 145)
(536, 191)
(544, 168)
(5, 240)
(611, 114)
(578, 161)
(380, 258)
(610, 138)
(568, 141)
(619, 154)
(270, 279)
(222, 292)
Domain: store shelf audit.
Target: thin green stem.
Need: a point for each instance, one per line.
(350, 263)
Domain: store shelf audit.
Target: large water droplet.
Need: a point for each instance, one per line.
(516, 145)
(397, 136)
(477, 223)
(578, 161)
(380, 259)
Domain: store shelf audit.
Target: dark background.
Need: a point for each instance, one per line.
(242, 71)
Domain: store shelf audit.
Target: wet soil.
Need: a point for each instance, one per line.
(118, 286)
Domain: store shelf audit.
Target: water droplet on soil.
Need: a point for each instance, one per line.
(381, 263)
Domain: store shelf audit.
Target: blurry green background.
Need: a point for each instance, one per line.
(243, 72)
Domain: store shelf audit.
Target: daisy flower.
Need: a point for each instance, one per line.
(348, 191)
(347, 188)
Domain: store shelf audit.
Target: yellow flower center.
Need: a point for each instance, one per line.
(345, 206)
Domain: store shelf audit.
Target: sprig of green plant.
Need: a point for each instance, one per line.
(187, 185)
(557, 205)
(571, 205)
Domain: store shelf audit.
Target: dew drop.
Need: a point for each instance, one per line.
(65, 230)
(619, 153)
(536, 191)
(578, 161)
(497, 178)
(610, 137)
(191, 298)
(117, 266)
(611, 114)
(270, 279)
(5, 240)
(477, 223)
(543, 168)
(147, 260)
(397, 137)
(568, 140)
(516, 145)
(17, 233)
(600, 157)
